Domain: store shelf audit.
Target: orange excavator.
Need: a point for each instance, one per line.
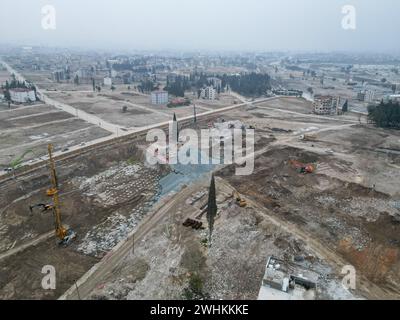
(302, 167)
(63, 233)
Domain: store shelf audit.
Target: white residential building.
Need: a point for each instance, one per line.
(108, 81)
(208, 93)
(366, 96)
(113, 73)
(22, 95)
(159, 97)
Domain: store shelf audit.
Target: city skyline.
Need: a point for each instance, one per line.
(288, 25)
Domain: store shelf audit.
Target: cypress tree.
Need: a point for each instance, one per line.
(212, 207)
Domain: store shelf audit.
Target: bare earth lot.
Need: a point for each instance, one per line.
(32, 128)
(140, 112)
(346, 212)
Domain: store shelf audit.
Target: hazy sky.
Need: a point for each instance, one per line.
(204, 24)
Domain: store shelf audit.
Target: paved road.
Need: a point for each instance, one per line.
(67, 108)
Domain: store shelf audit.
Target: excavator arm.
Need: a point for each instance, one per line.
(45, 207)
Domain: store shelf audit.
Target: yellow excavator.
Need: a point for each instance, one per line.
(63, 233)
(239, 200)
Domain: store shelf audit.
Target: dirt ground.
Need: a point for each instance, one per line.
(140, 112)
(32, 128)
(346, 212)
(176, 262)
(358, 222)
(348, 208)
(103, 198)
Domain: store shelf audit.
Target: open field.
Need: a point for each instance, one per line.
(109, 108)
(108, 105)
(32, 128)
(43, 80)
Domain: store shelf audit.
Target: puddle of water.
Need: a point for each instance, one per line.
(184, 175)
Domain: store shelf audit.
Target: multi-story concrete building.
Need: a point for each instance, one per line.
(159, 97)
(58, 75)
(113, 73)
(85, 73)
(22, 95)
(326, 105)
(366, 96)
(108, 81)
(208, 93)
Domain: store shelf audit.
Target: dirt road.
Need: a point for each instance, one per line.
(34, 242)
(99, 272)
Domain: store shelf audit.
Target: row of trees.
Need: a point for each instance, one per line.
(385, 115)
(146, 86)
(17, 84)
(179, 86)
(253, 84)
(13, 84)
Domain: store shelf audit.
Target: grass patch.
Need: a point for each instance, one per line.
(132, 161)
(195, 289)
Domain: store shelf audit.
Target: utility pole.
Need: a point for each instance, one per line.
(175, 129)
(77, 291)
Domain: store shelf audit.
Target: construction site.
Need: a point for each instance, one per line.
(324, 193)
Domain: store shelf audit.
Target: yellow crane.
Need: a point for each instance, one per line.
(65, 234)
